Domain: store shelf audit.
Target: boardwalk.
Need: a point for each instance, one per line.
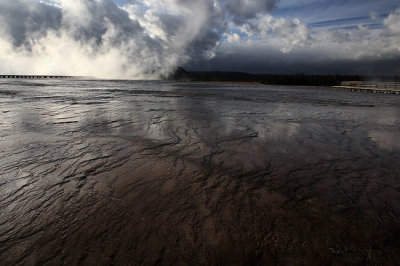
(33, 77)
(370, 86)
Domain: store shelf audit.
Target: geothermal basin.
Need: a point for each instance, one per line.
(156, 172)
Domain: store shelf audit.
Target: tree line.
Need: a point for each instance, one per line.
(273, 79)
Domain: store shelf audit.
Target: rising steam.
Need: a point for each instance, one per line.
(143, 39)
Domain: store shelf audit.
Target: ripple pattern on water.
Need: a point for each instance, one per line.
(151, 172)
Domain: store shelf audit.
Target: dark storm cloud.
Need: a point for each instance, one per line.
(210, 25)
(22, 19)
(102, 14)
(27, 20)
(271, 62)
(242, 10)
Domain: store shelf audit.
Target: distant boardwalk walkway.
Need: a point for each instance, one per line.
(33, 77)
(370, 86)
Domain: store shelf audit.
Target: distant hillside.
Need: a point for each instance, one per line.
(275, 79)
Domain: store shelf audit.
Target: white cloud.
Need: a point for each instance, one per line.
(289, 35)
(233, 37)
(292, 33)
(392, 22)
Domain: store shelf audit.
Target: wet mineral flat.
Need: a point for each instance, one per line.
(151, 172)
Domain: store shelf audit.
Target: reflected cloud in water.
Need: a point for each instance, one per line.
(178, 166)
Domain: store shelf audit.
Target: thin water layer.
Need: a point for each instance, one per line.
(152, 172)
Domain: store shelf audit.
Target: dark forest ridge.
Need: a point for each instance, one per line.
(273, 79)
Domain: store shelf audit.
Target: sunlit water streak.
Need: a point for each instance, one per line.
(152, 172)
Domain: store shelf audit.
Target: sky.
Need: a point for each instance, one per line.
(139, 39)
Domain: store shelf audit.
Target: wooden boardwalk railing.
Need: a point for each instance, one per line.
(370, 86)
(33, 77)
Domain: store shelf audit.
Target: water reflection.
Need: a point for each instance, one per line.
(276, 130)
(385, 140)
(385, 133)
(201, 173)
